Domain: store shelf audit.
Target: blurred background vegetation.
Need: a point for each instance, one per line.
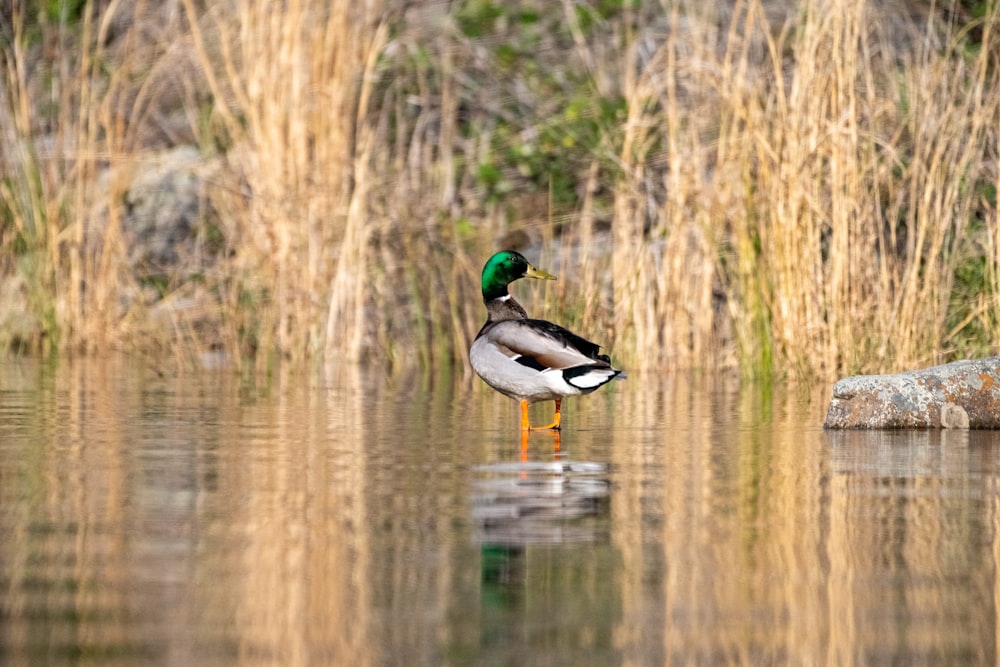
(787, 188)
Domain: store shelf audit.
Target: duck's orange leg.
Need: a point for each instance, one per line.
(554, 426)
(525, 424)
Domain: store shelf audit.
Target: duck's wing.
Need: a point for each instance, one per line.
(544, 346)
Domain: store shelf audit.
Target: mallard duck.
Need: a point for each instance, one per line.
(531, 360)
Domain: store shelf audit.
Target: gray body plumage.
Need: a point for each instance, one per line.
(535, 360)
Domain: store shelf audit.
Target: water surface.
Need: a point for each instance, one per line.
(205, 519)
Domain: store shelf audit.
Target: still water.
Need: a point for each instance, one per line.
(208, 519)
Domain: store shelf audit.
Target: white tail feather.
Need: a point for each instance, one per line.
(592, 379)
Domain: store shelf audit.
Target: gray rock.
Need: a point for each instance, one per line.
(20, 326)
(163, 205)
(962, 394)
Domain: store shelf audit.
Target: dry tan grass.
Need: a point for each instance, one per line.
(292, 84)
(788, 188)
(66, 225)
(835, 204)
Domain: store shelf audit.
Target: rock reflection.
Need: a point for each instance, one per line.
(909, 506)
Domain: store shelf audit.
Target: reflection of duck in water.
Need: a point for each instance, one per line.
(540, 502)
(531, 360)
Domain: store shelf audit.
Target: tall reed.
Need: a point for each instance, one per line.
(830, 177)
(292, 85)
(60, 228)
(795, 188)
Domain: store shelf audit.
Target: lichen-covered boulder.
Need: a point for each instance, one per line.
(164, 204)
(962, 394)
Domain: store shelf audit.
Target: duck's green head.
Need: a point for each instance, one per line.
(504, 268)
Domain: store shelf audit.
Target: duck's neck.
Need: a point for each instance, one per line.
(504, 308)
